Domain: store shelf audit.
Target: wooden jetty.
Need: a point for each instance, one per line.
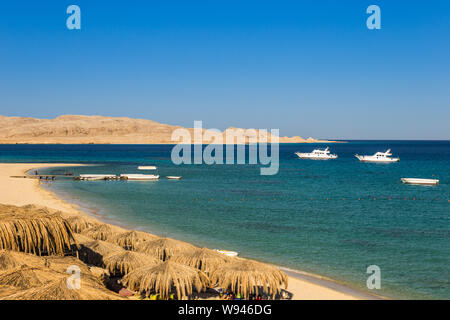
(42, 176)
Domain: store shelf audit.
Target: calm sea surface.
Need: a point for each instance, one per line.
(333, 218)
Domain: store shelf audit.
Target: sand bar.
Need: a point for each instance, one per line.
(20, 191)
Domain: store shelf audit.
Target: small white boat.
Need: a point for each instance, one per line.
(227, 253)
(92, 177)
(429, 182)
(147, 167)
(174, 177)
(378, 157)
(140, 177)
(317, 154)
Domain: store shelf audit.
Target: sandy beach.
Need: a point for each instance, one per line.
(20, 191)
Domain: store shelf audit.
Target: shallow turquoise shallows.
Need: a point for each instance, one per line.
(334, 218)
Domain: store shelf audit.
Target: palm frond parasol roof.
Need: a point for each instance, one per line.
(22, 277)
(101, 231)
(131, 239)
(7, 260)
(62, 264)
(7, 291)
(246, 277)
(34, 232)
(166, 278)
(55, 290)
(57, 287)
(59, 290)
(80, 223)
(124, 262)
(93, 251)
(164, 248)
(202, 258)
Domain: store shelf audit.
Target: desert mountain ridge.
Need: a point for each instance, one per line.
(81, 129)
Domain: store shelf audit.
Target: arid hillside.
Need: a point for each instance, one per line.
(77, 129)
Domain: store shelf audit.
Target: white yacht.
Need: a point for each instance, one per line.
(429, 182)
(174, 177)
(378, 157)
(317, 154)
(147, 167)
(140, 177)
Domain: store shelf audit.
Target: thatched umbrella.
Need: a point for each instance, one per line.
(35, 233)
(7, 260)
(166, 278)
(22, 277)
(99, 232)
(47, 268)
(131, 239)
(52, 263)
(55, 290)
(246, 277)
(7, 291)
(33, 208)
(28, 259)
(61, 264)
(93, 251)
(124, 262)
(79, 223)
(82, 239)
(203, 259)
(164, 248)
(58, 289)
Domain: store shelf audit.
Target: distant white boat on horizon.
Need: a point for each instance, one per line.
(317, 154)
(429, 182)
(378, 157)
(139, 177)
(147, 167)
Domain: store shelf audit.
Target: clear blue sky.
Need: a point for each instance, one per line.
(310, 68)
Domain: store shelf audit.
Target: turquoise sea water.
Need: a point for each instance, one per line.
(306, 217)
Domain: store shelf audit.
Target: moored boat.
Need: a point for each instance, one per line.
(429, 182)
(378, 157)
(174, 177)
(139, 177)
(147, 167)
(317, 154)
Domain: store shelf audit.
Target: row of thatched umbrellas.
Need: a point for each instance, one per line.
(146, 264)
(28, 277)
